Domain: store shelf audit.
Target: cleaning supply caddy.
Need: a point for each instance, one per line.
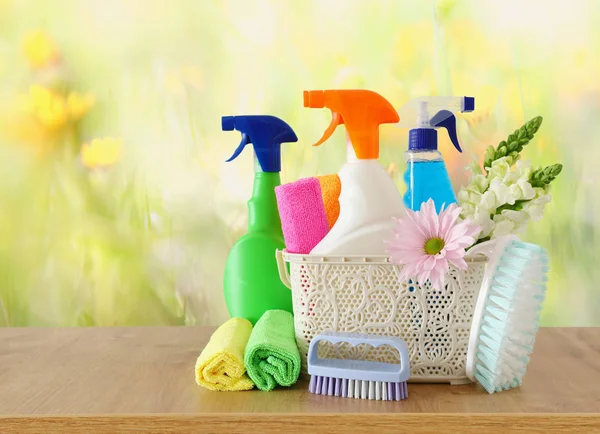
(368, 199)
(251, 284)
(426, 176)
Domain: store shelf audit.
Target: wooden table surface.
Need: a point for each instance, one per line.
(141, 379)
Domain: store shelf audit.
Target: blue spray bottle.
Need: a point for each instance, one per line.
(426, 176)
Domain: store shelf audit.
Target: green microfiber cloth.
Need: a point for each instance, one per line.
(271, 355)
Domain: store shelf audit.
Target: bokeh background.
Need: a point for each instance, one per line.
(117, 205)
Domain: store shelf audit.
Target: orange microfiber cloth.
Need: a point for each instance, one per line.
(330, 190)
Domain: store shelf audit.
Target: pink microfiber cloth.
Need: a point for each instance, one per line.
(302, 212)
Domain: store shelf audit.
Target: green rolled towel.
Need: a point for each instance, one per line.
(271, 356)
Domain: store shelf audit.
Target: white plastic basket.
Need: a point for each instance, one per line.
(365, 295)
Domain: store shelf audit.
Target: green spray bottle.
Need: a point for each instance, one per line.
(251, 282)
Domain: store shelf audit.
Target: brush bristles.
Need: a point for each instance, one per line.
(359, 389)
(511, 317)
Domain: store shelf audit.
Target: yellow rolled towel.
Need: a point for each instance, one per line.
(330, 189)
(221, 363)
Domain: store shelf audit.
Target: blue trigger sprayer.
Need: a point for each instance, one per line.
(426, 176)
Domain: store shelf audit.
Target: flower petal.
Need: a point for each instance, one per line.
(416, 219)
(429, 264)
(423, 276)
(437, 279)
(459, 263)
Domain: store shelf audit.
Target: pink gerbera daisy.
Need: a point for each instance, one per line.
(426, 243)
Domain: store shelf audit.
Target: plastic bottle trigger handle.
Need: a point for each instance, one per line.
(446, 119)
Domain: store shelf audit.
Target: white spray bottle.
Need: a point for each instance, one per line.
(369, 199)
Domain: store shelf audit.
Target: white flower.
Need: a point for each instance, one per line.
(514, 216)
(483, 219)
(536, 212)
(474, 168)
(535, 208)
(489, 202)
(514, 194)
(542, 200)
(504, 185)
(468, 209)
(480, 183)
(511, 177)
(467, 195)
(504, 194)
(500, 168)
(527, 190)
(502, 228)
(524, 169)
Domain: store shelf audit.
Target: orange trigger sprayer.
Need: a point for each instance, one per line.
(361, 111)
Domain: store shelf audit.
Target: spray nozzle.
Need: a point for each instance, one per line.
(266, 133)
(362, 111)
(416, 114)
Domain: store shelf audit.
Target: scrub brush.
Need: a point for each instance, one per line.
(507, 313)
(359, 378)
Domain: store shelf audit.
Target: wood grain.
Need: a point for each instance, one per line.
(133, 379)
(313, 424)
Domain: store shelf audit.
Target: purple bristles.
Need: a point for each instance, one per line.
(361, 389)
(397, 391)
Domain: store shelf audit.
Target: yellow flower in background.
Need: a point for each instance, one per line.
(40, 50)
(47, 106)
(79, 104)
(52, 109)
(101, 152)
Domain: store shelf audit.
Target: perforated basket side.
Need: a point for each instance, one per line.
(368, 297)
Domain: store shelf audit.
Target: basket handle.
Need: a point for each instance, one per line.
(284, 274)
(487, 248)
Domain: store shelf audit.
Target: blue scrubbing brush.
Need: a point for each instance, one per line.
(359, 378)
(507, 313)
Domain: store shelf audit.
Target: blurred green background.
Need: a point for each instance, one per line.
(117, 205)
